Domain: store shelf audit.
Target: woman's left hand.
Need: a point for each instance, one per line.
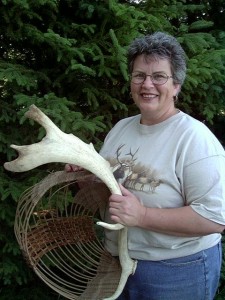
(126, 209)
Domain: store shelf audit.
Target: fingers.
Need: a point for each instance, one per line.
(67, 168)
(116, 219)
(126, 209)
(72, 168)
(124, 191)
(123, 208)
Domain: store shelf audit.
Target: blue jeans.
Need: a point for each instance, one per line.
(193, 277)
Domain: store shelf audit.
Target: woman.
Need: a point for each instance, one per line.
(172, 174)
(172, 170)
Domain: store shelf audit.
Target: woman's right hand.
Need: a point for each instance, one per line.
(72, 168)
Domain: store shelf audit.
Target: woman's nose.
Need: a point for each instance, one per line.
(148, 81)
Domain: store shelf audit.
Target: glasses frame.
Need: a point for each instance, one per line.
(167, 77)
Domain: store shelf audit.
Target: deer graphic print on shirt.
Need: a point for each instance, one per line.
(131, 173)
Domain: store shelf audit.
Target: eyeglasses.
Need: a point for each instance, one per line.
(157, 78)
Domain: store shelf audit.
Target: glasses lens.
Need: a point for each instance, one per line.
(159, 78)
(138, 77)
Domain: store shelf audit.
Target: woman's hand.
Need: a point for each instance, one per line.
(126, 209)
(72, 168)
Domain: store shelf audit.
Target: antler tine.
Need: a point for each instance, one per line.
(133, 154)
(26, 160)
(118, 152)
(37, 115)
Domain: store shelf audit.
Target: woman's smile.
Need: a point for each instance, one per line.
(149, 96)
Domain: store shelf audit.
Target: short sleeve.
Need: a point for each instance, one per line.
(204, 187)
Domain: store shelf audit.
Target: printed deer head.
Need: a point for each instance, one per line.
(124, 167)
(57, 146)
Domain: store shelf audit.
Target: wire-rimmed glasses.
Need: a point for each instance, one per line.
(157, 78)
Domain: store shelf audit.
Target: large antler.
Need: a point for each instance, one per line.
(58, 146)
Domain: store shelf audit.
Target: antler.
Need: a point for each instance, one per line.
(58, 146)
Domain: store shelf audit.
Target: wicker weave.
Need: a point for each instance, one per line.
(55, 228)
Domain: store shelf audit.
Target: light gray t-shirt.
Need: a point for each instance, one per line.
(174, 163)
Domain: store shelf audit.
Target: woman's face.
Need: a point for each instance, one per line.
(155, 102)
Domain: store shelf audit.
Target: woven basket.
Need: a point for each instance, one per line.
(55, 228)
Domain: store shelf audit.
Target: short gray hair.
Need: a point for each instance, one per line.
(160, 45)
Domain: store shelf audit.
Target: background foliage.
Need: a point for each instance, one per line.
(68, 57)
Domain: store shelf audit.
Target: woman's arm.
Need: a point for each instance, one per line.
(182, 221)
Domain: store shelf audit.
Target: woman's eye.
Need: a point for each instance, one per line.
(159, 76)
(139, 75)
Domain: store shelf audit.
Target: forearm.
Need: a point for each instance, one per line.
(182, 221)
